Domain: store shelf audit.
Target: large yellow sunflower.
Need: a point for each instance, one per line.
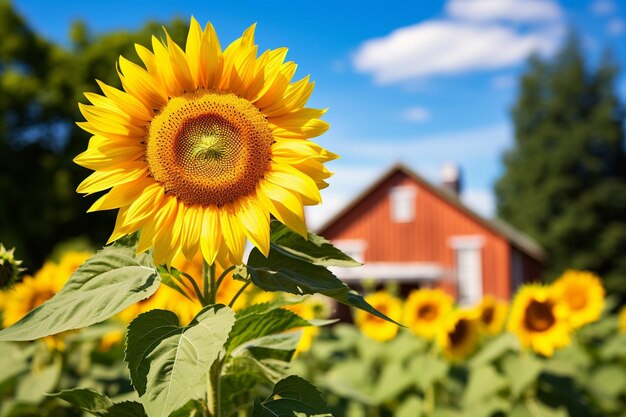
(539, 319)
(425, 310)
(491, 314)
(459, 334)
(583, 293)
(203, 145)
(374, 327)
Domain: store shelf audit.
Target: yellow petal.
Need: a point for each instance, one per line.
(142, 85)
(129, 104)
(211, 236)
(256, 223)
(102, 180)
(191, 230)
(289, 177)
(166, 240)
(145, 204)
(121, 195)
(278, 86)
(233, 234)
(296, 96)
(285, 205)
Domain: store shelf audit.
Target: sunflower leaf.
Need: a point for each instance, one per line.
(168, 362)
(315, 249)
(295, 396)
(104, 285)
(293, 274)
(261, 320)
(85, 399)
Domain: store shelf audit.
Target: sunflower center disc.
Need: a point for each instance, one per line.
(209, 148)
(460, 333)
(539, 316)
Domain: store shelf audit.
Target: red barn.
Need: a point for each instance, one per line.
(409, 231)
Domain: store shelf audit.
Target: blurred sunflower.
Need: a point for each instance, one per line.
(491, 314)
(203, 145)
(375, 327)
(425, 310)
(309, 308)
(622, 320)
(539, 319)
(459, 334)
(583, 294)
(34, 290)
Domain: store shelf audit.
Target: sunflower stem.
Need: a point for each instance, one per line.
(222, 276)
(196, 289)
(241, 290)
(213, 391)
(210, 289)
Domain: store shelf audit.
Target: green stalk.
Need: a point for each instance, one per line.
(213, 378)
(241, 290)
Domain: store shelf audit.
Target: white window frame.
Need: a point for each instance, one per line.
(468, 267)
(354, 248)
(402, 203)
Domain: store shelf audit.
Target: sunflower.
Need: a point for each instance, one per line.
(459, 334)
(539, 319)
(583, 293)
(374, 327)
(622, 320)
(309, 308)
(203, 145)
(425, 310)
(31, 292)
(491, 314)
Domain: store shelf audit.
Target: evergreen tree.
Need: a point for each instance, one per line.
(565, 178)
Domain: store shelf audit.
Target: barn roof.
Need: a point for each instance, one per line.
(516, 237)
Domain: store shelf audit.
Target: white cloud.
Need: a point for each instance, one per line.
(482, 201)
(504, 10)
(449, 47)
(616, 26)
(603, 7)
(416, 114)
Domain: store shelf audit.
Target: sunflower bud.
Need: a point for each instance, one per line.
(9, 267)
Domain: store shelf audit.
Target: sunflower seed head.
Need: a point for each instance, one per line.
(9, 267)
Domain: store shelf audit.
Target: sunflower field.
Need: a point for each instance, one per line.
(554, 351)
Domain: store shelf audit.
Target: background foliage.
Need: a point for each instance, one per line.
(40, 84)
(565, 179)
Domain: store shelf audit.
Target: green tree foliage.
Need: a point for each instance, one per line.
(565, 178)
(40, 84)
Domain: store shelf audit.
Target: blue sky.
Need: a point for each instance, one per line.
(422, 82)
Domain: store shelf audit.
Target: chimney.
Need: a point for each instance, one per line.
(451, 178)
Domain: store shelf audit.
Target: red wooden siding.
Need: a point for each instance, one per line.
(427, 238)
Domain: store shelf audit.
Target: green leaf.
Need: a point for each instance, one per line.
(85, 399)
(104, 285)
(296, 396)
(484, 382)
(33, 387)
(168, 362)
(521, 371)
(315, 249)
(494, 349)
(292, 274)
(428, 369)
(13, 359)
(411, 407)
(172, 277)
(126, 409)
(258, 321)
